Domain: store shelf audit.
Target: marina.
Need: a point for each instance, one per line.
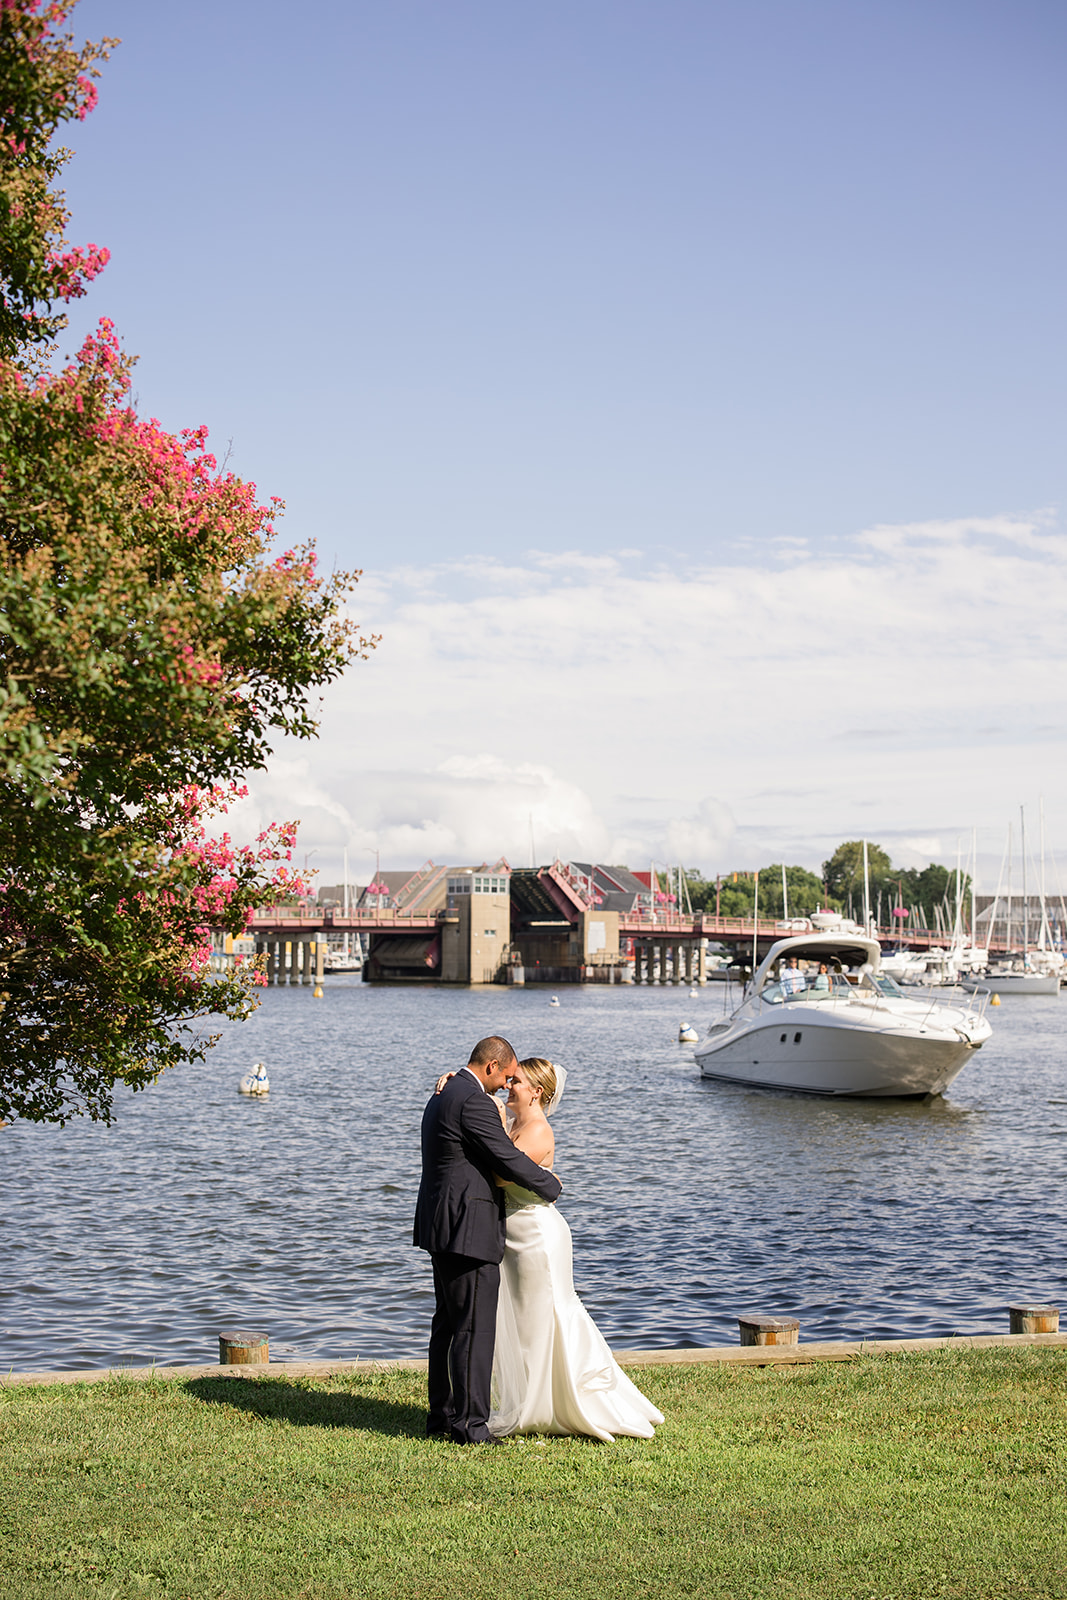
(690, 1201)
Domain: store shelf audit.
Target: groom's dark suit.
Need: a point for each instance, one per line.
(459, 1219)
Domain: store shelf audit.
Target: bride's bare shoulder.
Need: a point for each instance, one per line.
(537, 1142)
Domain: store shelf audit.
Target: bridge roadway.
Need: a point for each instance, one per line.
(285, 922)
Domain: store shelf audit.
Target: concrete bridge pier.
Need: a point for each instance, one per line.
(272, 949)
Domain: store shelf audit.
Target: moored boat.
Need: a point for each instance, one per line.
(1024, 980)
(840, 1026)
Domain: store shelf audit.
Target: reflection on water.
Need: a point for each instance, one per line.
(689, 1201)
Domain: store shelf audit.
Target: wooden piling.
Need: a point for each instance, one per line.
(243, 1349)
(1034, 1319)
(769, 1330)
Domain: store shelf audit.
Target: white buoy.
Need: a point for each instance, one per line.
(692, 994)
(256, 1081)
(554, 1000)
(687, 1035)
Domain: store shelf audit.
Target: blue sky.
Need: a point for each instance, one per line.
(602, 317)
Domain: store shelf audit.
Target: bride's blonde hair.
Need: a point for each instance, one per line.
(542, 1075)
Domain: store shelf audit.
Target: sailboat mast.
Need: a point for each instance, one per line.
(1046, 931)
(866, 891)
(1026, 909)
(785, 896)
(1011, 900)
(957, 927)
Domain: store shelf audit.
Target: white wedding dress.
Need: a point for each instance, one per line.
(552, 1369)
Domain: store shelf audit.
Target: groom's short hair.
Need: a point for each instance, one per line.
(492, 1049)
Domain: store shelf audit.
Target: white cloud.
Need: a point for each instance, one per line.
(806, 701)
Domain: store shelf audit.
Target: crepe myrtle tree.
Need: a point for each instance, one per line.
(152, 645)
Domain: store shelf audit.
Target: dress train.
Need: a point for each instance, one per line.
(552, 1369)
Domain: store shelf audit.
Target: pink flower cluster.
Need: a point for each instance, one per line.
(228, 872)
(77, 267)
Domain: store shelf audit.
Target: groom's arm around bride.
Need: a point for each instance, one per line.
(459, 1219)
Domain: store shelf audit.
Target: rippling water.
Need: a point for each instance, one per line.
(689, 1201)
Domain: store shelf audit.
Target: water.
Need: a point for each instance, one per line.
(689, 1201)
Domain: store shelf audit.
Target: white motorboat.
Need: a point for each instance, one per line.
(1023, 980)
(848, 1031)
(342, 961)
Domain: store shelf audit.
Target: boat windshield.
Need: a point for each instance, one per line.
(819, 986)
(886, 985)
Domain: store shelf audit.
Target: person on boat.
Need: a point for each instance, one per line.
(791, 978)
(820, 984)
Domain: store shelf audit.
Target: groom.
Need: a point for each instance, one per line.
(459, 1219)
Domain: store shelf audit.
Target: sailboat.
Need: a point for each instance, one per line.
(1037, 970)
(346, 959)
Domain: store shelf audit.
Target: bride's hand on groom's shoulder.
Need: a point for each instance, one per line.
(442, 1080)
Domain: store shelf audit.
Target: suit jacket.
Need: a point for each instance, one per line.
(460, 1209)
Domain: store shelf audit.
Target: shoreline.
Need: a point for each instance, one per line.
(712, 1355)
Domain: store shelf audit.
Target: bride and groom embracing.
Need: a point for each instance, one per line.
(512, 1348)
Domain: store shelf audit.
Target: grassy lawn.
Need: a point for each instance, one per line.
(912, 1475)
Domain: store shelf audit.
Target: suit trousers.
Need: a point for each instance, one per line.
(462, 1338)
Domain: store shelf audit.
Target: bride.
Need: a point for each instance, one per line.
(552, 1370)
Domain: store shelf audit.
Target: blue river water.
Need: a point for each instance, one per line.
(690, 1202)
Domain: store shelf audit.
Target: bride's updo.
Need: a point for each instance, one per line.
(542, 1075)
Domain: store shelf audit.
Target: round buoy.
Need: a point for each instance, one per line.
(317, 992)
(554, 1000)
(687, 1035)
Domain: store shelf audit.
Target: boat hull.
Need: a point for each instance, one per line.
(835, 1060)
(1016, 983)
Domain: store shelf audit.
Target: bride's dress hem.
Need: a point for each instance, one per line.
(553, 1372)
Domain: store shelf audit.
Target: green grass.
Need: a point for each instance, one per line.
(919, 1475)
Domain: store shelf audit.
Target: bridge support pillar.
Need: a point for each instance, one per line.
(702, 961)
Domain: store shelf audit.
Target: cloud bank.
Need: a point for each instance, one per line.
(906, 684)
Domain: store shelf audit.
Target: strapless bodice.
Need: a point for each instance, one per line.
(516, 1198)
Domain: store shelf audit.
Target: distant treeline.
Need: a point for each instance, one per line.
(928, 894)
